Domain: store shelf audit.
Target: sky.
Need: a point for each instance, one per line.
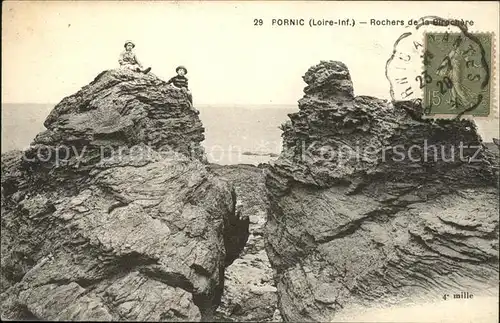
(53, 48)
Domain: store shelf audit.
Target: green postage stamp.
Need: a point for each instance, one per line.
(457, 73)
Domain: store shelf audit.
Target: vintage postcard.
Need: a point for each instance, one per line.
(250, 161)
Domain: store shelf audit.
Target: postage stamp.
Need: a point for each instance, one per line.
(461, 67)
(444, 69)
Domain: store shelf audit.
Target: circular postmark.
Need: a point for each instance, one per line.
(442, 68)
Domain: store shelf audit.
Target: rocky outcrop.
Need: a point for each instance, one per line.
(373, 205)
(119, 109)
(144, 234)
(249, 288)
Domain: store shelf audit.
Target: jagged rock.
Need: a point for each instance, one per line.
(329, 79)
(142, 235)
(119, 108)
(358, 216)
(249, 288)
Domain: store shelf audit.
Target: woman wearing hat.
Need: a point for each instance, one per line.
(129, 60)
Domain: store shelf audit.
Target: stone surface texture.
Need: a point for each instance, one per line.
(144, 234)
(373, 204)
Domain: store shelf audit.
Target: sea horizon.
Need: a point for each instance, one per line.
(239, 105)
(234, 133)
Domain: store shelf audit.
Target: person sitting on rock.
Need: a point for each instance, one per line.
(129, 60)
(180, 81)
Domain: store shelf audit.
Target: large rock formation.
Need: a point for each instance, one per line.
(129, 224)
(120, 109)
(371, 204)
